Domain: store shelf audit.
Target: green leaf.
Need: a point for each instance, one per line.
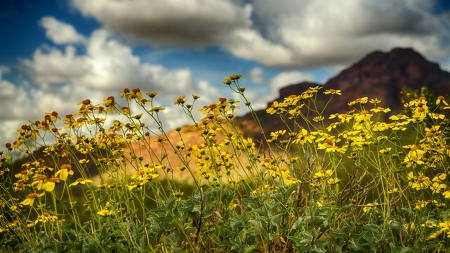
(318, 221)
(344, 208)
(275, 218)
(407, 250)
(112, 246)
(299, 222)
(340, 239)
(354, 246)
(305, 237)
(209, 210)
(250, 248)
(395, 249)
(298, 245)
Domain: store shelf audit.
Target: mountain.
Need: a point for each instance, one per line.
(383, 75)
(378, 75)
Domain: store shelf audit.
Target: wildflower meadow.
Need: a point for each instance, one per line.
(362, 181)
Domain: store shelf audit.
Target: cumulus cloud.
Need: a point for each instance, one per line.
(13, 98)
(59, 32)
(169, 22)
(9, 131)
(284, 33)
(250, 45)
(256, 75)
(287, 78)
(108, 65)
(196, 23)
(30, 103)
(325, 33)
(15, 107)
(52, 66)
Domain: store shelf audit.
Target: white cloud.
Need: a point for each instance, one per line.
(195, 23)
(284, 33)
(256, 75)
(169, 22)
(287, 78)
(338, 32)
(14, 104)
(108, 65)
(13, 99)
(51, 66)
(250, 45)
(60, 32)
(8, 128)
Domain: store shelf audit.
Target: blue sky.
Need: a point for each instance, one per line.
(54, 54)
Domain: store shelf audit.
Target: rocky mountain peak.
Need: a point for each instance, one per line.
(383, 75)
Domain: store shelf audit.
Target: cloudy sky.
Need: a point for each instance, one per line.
(55, 53)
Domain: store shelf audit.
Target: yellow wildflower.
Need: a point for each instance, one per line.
(30, 199)
(105, 212)
(380, 109)
(394, 190)
(333, 181)
(290, 181)
(50, 185)
(418, 182)
(421, 204)
(333, 92)
(323, 173)
(303, 137)
(447, 193)
(441, 99)
(414, 156)
(370, 207)
(39, 181)
(64, 172)
(80, 181)
(320, 202)
(318, 119)
(385, 151)
(276, 135)
(276, 108)
(180, 100)
(45, 217)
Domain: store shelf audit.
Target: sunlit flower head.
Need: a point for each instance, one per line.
(105, 212)
(30, 198)
(333, 92)
(370, 207)
(180, 100)
(50, 185)
(290, 181)
(80, 181)
(64, 172)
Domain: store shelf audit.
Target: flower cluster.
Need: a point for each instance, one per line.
(146, 174)
(224, 107)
